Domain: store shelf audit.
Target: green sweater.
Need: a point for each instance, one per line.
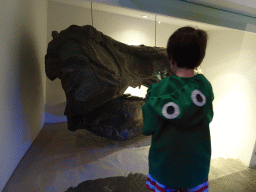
(177, 114)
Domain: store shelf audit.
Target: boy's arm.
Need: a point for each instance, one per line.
(147, 129)
(150, 119)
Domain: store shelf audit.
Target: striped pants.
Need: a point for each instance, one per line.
(153, 185)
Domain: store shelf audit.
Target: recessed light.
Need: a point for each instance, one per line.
(145, 16)
(159, 22)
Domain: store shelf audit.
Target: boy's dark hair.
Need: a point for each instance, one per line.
(186, 46)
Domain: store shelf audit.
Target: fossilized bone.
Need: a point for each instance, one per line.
(95, 69)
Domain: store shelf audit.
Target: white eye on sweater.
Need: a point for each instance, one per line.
(198, 98)
(171, 110)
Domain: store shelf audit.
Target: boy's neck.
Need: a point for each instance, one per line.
(185, 73)
(181, 72)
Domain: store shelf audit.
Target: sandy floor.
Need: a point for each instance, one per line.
(59, 159)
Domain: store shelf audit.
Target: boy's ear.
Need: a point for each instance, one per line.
(172, 62)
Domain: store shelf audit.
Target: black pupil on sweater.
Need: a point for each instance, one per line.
(199, 98)
(170, 110)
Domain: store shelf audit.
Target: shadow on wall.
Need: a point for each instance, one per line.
(55, 113)
(30, 85)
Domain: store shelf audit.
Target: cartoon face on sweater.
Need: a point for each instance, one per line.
(171, 110)
(183, 101)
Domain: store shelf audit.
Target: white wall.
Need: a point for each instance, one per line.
(22, 79)
(229, 65)
(193, 12)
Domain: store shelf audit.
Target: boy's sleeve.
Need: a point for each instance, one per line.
(151, 120)
(150, 117)
(147, 129)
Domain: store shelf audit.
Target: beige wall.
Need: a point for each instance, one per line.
(22, 79)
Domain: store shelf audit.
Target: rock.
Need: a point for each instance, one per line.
(119, 119)
(132, 183)
(95, 70)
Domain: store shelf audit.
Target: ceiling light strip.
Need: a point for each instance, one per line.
(242, 13)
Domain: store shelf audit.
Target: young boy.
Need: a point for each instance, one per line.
(177, 114)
